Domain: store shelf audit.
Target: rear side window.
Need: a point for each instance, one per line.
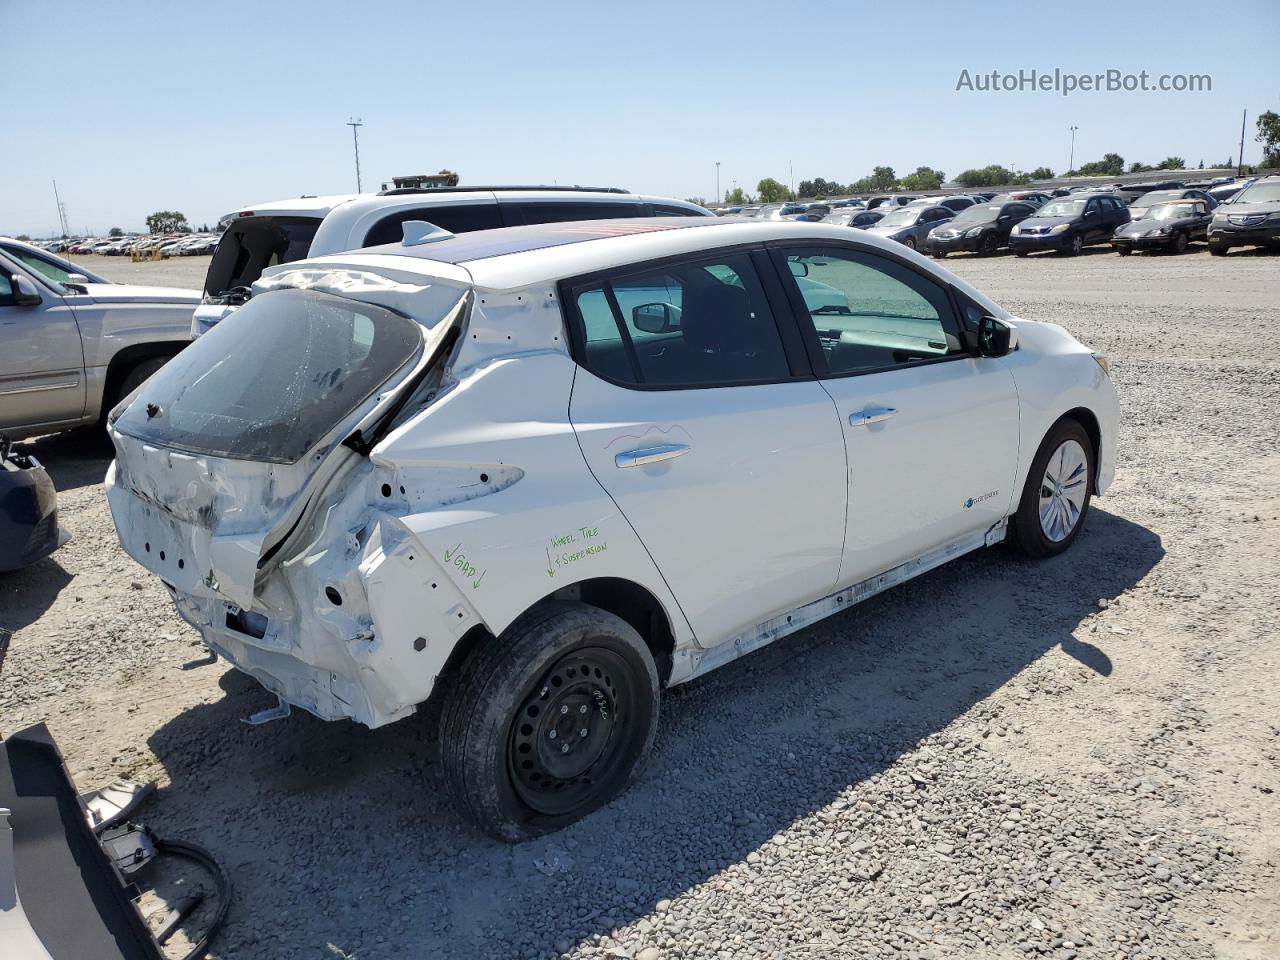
(662, 210)
(455, 217)
(273, 378)
(251, 245)
(693, 324)
(556, 211)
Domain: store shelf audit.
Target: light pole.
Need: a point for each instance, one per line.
(355, 125)
(1071, 161)
(718, 181)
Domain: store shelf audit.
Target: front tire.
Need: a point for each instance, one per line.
(1055, 499)
(1180, 241)
(989, 245)
(1217, 251)
(910, 242)
(1074, 248)
(550, 721)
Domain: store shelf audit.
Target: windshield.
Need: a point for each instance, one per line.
(903, 217)
(1259, 193)
(1154, 197)
(1062, 208)
(269, 381)
(1171, 211)
(976, 214)
(251, 245)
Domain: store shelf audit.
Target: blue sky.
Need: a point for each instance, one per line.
(208, 106)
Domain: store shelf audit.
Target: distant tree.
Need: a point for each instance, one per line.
(1269, 137)
(1111, 165)
(925, 178)
(23, 237)
(1172, 163)
(167, 221)
(1041, 173)
(115, 232)
(883, 178)
(1139, 167)
(771, 191)
(992, 176)
(700, 201)
(1201, 167)
(735, 197)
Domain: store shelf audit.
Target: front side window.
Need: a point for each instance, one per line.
(692, 324)
(271, 380)
(46, 268)
(871, 313)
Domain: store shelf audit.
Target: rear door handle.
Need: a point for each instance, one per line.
(872, 415)
(638, 458)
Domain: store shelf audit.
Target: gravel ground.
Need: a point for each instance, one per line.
(1077, 758)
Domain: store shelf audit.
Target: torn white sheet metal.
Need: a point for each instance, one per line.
(428, 303)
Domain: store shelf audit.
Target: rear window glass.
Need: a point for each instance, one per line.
(456, 218)
(559, 211)
(270, 380)
(251, 245)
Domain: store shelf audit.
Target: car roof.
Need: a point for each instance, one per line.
(512, 258)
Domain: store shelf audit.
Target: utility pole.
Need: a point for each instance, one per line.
(62, 211)
(355, 124)
(1240, 167)
(791, 168)
(1071, 163)
(719, 199)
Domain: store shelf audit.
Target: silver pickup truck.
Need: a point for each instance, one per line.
(73, 345)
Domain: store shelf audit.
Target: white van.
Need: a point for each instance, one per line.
(282, 231)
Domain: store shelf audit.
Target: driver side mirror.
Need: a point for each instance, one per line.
(655, 318)
(25, 293)
(995, 337)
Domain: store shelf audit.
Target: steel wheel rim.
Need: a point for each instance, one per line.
(555, 767)
(1063, 490)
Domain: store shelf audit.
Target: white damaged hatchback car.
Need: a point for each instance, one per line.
(543, 472)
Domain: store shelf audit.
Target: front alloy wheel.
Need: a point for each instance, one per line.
(1062, 490)
(1055, 498)
(910, 242)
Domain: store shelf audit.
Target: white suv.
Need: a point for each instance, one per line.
(269, 234)
(545, 472)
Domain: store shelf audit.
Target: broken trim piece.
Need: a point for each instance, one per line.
(787, 623)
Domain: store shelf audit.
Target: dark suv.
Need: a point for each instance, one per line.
(1250, 219)
(1069, 224)
(983, 227)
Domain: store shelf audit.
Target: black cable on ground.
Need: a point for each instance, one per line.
(200, 855)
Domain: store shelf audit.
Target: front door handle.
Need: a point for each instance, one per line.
(872, 415)
(638, 458)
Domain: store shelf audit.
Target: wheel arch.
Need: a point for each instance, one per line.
(626, 599)
(1089, 421)
(129, 357)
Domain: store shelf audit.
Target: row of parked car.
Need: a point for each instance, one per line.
(1166, 216)
(166, 245)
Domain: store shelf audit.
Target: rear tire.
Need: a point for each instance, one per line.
(1020, 253)
(550, 721)
(1056, 497)
(1123, 251)
(1217, 251)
